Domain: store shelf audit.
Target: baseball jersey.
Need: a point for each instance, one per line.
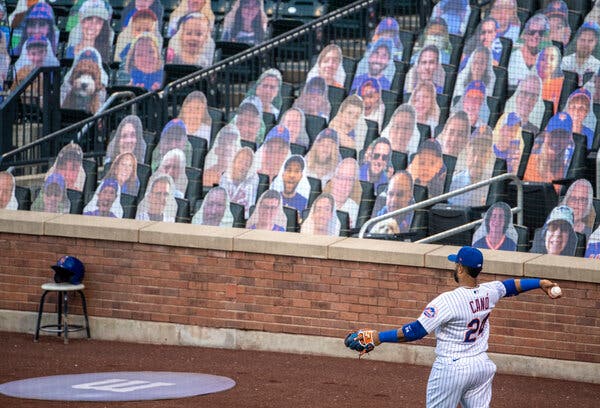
(460, 319)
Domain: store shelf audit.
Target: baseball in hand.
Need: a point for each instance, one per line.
(555, 291)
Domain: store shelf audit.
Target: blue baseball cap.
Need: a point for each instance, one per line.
(557, 8)
(468, 256)
(513, 119)
(477, 86)
(590, 25)
(560, 121)
(109, 182)
(278, 132)
(55, 178)
(561, 213)
(581, 92)
(387, 24)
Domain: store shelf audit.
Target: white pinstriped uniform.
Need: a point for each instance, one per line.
(462, 371)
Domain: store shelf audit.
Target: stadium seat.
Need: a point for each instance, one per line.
(506, 51)
(450, 163)
(474, 19)
(314, 125)
(570, 83)
(450, 81)
(91, 178)
(129, 204)
(336, 96)
(301, 150)
(408, 41)
(390, 101)
(194, 187)
(238, 215)
(315, 189)
(347, 152)
(443, 217)
(218, 121)
(522, 238)
(199, 151)
(538, 201)
(344, 219)
(367, 202)
(23, 196)
(292, 219)
(263, 184)
(183, 211)
(144, 171)
(501, 86)
(76, 199)
(399, 160)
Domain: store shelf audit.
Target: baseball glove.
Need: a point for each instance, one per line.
(362, 340)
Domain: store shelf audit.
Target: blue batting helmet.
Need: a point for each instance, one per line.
(68, 269)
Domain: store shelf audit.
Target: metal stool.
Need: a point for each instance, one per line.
(62, 311)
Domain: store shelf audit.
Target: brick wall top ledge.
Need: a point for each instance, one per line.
(378, 251)
(564, 267)
(284, 243)
(190, 236)
(495, 262)
(109, 229)
(24, 222)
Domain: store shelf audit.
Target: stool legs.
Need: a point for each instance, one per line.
(65, 326)
(39, 319)
(59, 310)
(85, 315)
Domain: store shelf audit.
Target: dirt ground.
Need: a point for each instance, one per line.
(263, 379)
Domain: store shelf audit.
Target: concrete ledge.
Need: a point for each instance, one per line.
(564, 267)
(185, 335)
(24, 222)
(90, 227)
(190, 236)
(495, 262)
(284, 243)
(381, 251)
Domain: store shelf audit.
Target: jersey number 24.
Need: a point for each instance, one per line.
(475, 327)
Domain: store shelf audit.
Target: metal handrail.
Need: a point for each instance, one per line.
(113, 97)
(434, 200)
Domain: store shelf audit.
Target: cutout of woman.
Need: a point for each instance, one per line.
(314, 99)
(268, 214)
(558, 16)
(92, 31)
(474, 103)
(249, 120)
(186, 7)
(4, 59)
(402, 131)
(38, 22)
(527, 103)
(323, 157)
(455, 13)
(173, 136)
(143, 21)
(214, 210)
(74, 17)
(580, 198)
(548, 68)
(128, 138)
(292, 183)
(497, 231)
(580, 108)
(399, 194)
(478, 68)
(534, 38)
(487, 36)
(552, 151)
(370, 93)
(8, 200)
(192, 43)
(85, 64)
(195, 116)
(423, 99)
(295, 122)
(37, 52)
(124, 170)
(322, 219)
(427, 68)
(427, 167)
(69, 165)
(227, 143)
(507, 141)
(144, 63)
(241, 180)
(455, 135)
(159, 203)
(246, 22)
(377, 63)
(389, 28)
(505, 13)
(268, 90)
(53, 198)
(272, 153)
(557, 236)
(582, 55)
(349, 123)
(329, 66)
(134, 6)
(346, 189)
(435, 33)
(173, 164)
(106, 201)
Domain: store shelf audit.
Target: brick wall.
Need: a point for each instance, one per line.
(286, 294)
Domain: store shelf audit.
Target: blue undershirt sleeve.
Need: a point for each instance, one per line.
(414, 331)
(511, 287)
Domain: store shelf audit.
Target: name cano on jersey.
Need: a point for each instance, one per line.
(480, 304)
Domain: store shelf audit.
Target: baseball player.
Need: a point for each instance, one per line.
(462, 371)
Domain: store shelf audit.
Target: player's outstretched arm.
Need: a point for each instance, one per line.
(365, 340)
(516, 286)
